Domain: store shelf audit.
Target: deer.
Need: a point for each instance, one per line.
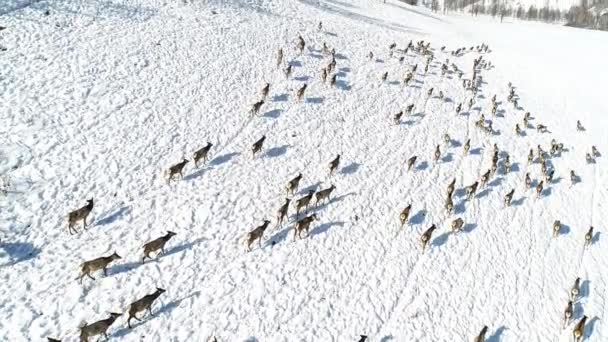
(557, 226)
(282, 213)
(509, 197)
(485, 178)
(573, 178)
(458, 108)
(333, 165)
(265, 91)
(288, 71)
(333, 81)
(257, 146)
(426, 236)
(589, 237)
(449, 204)
(568, 312)
(575, 290)
(97, 328)
(300, 92)
(541, 128)
(384, 76)
(481, 337)
(595, 152)
(404, 215)
(279, 57)
(531, 156)
(589, 159)
(79, 214)
(255, 108)
(202, 154)
(411, 162)
(157, 244)
(457, 224)
(579, 126)
(471, 189)
(467, 147)
(397, 118)
(256, 234)
(97, 264)
(301, 44)
(323, 75)
(447, 140)
(303, 225)
(143, 304)
(451, 187)
(303, 202)
(437, 154)
(177, 169)
(579, 329)
(293, 184)
(324, 194)
(539, 189)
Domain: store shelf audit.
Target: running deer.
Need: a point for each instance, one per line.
(177, 169)
(323, 75)
(397, 117)
(288, 71)
(426, 236)
(279, 58)
(485, 178)
(404, 215)
(557, 226)
(579, 126)
(202, 154)
(509, 197)
(324, 194)
(575, 290)
(303, 202)
(292, 185)
(446, 139)
(594, 151)
(79, 214)
(449, 204)
(531, 156)
(300, 92)
(568, 312)
(579, 329)
(589, 159)
(97, 328)
(437, 154)
(471, 189)
(539, 189)
(301, 44)
(156, 244)
(573, 178)
(303, 225)
(411, 162)
(282, 213)
(457, 225)
(384, 76)
(97, 264)
(589, 237)
(255, 108)
(451, 187)
(143, 304)
(467, 147)
(257, 234)
(528, 180)
(265, 91)
(482, 335)
(257, 146)
(541, 128)
(333, 165)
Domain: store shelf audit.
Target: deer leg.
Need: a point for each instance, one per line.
(260, 242)
(90, 276)
(105, 272)
(150, 310)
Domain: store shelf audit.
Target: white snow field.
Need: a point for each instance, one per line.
(99, 98)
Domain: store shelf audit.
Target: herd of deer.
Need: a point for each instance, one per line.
(423, 50)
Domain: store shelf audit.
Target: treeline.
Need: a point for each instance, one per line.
(589, 14)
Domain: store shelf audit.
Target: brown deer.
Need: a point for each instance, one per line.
(397, 118)
(143, 304)
(509, 197)
(426, 236)
(333, 81)
(257, 146)
(279, 58)
(451, 187)
(324, 194)
(79, 214)
(528, 180)
(333, 165)
(589, 236)
(485, 178)
(177, 169)
(384, 76)
(539, 189)
(449, 204)
(292, 185)
(579, 329)
(257, 234)
(411, 162)
(255, 108)
(301, 44)
(300, 92)
(157, 244)
(573, 178)
(405, 214)
(575, 290)
(202, 154)
(457, 224)
(97, 264)
(288, 71)
(437, 154)
(265, 91)
(482, 335)
(303, 202)
(467, 147)
(557, 226)
(98, 328)
(324, 75)
(303, 225)
(282, 213)
(471, 189)
(568, 312)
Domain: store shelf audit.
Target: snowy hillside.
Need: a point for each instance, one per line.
(99, 98)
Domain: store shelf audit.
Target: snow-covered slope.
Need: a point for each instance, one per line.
(98, 99)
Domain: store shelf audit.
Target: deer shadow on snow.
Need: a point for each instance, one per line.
(116, 215)
(18, 252)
